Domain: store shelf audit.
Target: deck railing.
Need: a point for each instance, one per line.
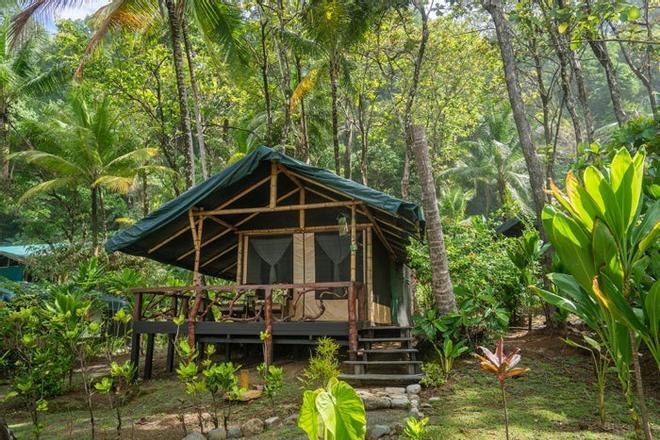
(250, 303)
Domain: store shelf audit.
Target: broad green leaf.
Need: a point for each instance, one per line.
(308, 419)
(618, 304)
(604, 199)
(573, 246)
(341, 406)
(652, 309)
(562, 28)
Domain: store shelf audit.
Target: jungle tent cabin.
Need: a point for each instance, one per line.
(307, 253)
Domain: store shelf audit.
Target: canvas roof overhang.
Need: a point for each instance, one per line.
(226, 199)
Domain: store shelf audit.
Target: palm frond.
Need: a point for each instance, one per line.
(47, 161)
(46, 82)
(119, 184)
(36, 9)
(49, 185)
(220, 22)
(301, 45)
(119, 14)
(135, 157)
(304, 87)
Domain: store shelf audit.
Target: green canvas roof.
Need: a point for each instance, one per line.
(21, 252)
(399, 219)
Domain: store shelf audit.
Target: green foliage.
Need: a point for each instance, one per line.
(603, 234)
(273, 379)
(434, 376)
(119, 387)
(323, 365)
(332, 413)
(415, 429)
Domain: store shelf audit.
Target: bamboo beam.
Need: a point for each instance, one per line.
(379, 232)
(353, 245)
(236, 225)
(239, 259)
(273, 184)
(314, 182)
(293, 230)
(224, 252)
(284, 208)
(370, 276)
(245, 255)
(352, 315)
(222, 222)
(301, 214)
(268, 318)
(222, 205)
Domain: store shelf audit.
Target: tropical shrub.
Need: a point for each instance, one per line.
(604, 233)
(434, 376)
(323, 365)
(220, 381)
(502, 366)
(273, 380)
(415, 429)
(335, 412)
(119, 386)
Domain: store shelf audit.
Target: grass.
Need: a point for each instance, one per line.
(555, 400)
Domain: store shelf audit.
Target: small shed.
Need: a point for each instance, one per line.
(13, 260)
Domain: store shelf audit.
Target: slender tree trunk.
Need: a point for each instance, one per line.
(286, 73)
(95, 219)
(4, 138)
(263, 24)
(405, 176)
(440, 279)
(536, 179)
(599, 49)
(576, 66)
(335, 123)
(544, 93)
(639, 386)
(363, 126)
(348, 162)
(186, 129)
(199, 118)
(416, 140)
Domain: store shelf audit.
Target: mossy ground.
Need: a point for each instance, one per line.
(555, 400)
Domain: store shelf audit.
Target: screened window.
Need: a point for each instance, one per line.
(332, 255)
(270, 260)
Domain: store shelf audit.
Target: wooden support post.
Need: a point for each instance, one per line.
(273, 184)
(268, 318)
(301, 214)
(352, 315)
(135, 336)
(369, 281)
(197, 279)
(239, 260)
(170, 338)
(149, 356)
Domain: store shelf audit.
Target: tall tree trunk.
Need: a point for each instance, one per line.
(95, 218)
(186, 129)
(440, 279)
(335, 123)
(416, 140)
(286, 73)
(544, 93)
(199, 118)
(536, 179)
(348, 159)
(363, 126)
(405, 175)
(4, 138)
(263, 24)
(599, 49)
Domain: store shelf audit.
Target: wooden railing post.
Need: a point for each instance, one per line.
(135, 336)
(352, 322)
(268, 317)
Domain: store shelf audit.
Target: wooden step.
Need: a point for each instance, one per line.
(383, 327)
(387, 339)
(388, 350)
(382, 362)
(372, 377)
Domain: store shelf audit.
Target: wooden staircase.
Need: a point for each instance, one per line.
(385, 354)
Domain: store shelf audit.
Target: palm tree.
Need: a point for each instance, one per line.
(18, 77)
(335, 25)
(217, 20)
(82, 145)
(494, 162)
